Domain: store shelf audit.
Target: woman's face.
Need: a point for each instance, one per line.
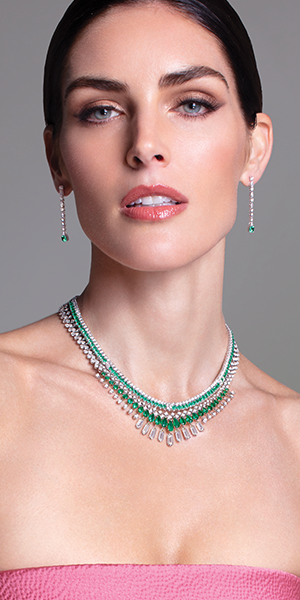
(150, 100)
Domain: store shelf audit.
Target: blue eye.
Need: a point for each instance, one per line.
(98, 114)
(103, 112)
(193, 108)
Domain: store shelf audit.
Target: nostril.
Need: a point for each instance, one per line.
(159, 157)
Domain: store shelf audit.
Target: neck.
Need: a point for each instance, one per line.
(164, 330)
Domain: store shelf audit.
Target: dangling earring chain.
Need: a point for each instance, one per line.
(64, 235)
(153, 418)
(251, 227)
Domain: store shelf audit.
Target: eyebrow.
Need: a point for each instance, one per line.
(110, 85)
(168, 80)
(180, 77)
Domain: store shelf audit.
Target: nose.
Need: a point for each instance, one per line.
(147, 147)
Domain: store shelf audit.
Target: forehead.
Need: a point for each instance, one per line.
(149, 38)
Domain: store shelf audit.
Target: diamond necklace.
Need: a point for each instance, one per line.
(153, 418)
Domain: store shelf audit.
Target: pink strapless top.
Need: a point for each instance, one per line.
(148, 582)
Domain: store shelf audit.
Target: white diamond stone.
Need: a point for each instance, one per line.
(146, 429)
(130, 411)
(106, 386)
(178, 436)
(170, 440)
(186, 434)
(193, 430)
(136, 417)
(161, 435)
(199, 427)
(139, 423)
(152, 433)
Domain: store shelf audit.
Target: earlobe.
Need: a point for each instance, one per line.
(261, 143)
(54, 161)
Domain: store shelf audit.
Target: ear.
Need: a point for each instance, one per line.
(55, 161)
(261, 143)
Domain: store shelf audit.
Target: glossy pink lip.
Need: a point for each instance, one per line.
(153, 213)
(153, 190)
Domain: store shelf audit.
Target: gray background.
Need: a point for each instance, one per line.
(38, 272)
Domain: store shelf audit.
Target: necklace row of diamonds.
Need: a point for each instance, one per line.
(173, 422)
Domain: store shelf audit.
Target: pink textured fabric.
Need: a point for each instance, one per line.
(148, 582)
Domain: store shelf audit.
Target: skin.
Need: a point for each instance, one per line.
(79, 485)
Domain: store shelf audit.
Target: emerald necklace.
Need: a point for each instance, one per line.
(173, 422)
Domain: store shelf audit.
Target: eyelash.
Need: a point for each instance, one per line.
(210, 106)
(84, 115)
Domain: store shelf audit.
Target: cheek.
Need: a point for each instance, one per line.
(92, 169)
(212, 169)
(86, 156)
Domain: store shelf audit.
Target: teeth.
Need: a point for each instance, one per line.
(153, 201)
(147, 201)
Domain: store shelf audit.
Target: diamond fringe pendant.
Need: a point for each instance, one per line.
(172, 422)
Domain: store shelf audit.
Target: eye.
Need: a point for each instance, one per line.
(104, 112)
(193, 107)
(98, 114)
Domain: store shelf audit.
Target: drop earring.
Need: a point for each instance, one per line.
(251, 227)
(64, 235)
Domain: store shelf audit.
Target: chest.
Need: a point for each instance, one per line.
(81, 485)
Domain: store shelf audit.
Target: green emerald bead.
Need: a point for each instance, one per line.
(204, 410)
(164, 422)
(110, 381)
(64, 238)
(200, 413)
(195, 417)
(115, 387)
(182, 421)
(158, 420)
(170, 426)
(120, 392)
(125, 396)
(146, 413)
(140, 410)
(189, 419)
(151, 418)
(103, 374)
(176, 423)
(251, 229)
(135, 405)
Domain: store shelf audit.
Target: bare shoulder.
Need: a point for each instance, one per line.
(40, 341)
(279, 402)
(27, 356)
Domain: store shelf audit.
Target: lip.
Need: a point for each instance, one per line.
(153, 190)
(153, 213)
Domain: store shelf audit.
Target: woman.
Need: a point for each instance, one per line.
(153, 116)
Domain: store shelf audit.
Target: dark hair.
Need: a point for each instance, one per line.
(217, 16)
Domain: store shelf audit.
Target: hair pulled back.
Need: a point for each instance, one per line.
(217, 16)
